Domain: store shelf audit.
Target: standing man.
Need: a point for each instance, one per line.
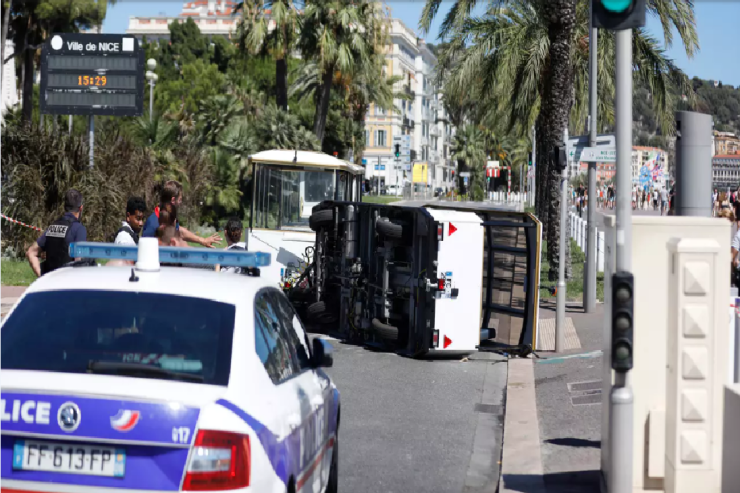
(663, 201)
(128, 233)
(172, 193)
(57, 237)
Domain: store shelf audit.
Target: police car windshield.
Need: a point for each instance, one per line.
(68, 331)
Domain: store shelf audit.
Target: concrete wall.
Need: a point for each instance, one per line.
(651, 267)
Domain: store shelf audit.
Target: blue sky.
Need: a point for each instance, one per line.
(718, 23)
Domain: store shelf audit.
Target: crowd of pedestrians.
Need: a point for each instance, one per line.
(659, 198)
(162, 224)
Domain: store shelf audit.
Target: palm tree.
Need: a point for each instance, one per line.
(215, 114)
(339, 35)
(365, 85)
(256, 36)
(469, 150)
(527, 59)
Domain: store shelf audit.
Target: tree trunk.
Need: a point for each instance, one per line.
(27, 86)
(556, 103)
(281, 85)
(322, 105)
(359, 118)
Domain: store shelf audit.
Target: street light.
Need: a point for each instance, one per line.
(151, 64)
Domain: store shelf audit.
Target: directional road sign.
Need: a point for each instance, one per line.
(599, 155)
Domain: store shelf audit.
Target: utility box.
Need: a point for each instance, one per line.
(651, 267)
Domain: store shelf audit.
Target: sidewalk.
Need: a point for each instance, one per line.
(567, 402)
(9, 295)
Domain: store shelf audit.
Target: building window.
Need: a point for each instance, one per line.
(380, 138)
(379, 111)
(367, 137)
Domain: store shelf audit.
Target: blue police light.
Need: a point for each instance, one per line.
(169, 254)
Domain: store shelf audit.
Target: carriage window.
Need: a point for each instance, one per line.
(284, 198)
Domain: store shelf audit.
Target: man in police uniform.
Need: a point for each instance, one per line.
(57, 237)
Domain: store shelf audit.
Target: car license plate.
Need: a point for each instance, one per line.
(69, 458)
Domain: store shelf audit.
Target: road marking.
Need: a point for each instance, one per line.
(522, 459)
(585, 393)
(561, 359)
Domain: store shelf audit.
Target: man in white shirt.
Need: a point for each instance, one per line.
(663, 201)
(128, 233)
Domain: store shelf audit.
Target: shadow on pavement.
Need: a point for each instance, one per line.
(575, 442)
(561, 482)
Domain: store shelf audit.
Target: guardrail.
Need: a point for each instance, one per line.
(579, 232)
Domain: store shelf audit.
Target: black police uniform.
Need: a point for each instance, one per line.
(56, 239)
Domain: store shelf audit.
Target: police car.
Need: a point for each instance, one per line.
(152, 378)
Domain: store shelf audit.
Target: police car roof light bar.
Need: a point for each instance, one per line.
(146, 260)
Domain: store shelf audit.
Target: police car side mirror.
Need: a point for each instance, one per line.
(322, 354)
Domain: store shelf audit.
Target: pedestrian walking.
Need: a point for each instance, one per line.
(128, 233)
(663, 201)
(57, 237)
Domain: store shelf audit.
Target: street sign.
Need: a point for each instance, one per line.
(465, 174)
(92, 74)
(599, 155)
(577, 144)
(492, 164)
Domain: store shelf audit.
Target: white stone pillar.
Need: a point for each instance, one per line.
(696, 366)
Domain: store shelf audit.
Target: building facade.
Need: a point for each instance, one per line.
(419, 125)
(726, 171)
(725, 143)
(213, 18)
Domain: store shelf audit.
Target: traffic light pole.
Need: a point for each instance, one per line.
(621, 398)
(589, 284)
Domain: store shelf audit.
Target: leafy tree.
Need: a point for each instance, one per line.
(527, 59)
(469, 149)
(199, 81)
(271, 28)
(338, 35)
(31, 22)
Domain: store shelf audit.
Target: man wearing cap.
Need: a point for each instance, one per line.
(57, 237)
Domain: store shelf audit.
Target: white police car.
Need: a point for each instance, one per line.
(149, 379)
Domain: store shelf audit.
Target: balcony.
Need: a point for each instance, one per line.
(434, 131)
(424, 141)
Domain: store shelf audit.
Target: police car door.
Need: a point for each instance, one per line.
(311, 474)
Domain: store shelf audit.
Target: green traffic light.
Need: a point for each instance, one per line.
(616, 6)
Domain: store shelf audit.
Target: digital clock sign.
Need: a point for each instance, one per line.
(92, 74)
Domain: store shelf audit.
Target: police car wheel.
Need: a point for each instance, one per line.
(333, 485)
(385, 331)
(321, 219)
(389, 230)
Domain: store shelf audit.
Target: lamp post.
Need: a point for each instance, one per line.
(151, 64)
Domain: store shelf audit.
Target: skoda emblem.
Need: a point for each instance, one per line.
(69, 416)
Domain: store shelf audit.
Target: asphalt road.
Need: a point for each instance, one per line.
(413, 425)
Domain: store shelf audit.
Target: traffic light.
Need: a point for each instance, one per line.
(530, 159)
(398, 150)
(623, 291)
(617, 15)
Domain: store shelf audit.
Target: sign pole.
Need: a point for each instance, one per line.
(562, 289)
(534, 167)
(92, 139)
(589, 281)
(621, 398)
